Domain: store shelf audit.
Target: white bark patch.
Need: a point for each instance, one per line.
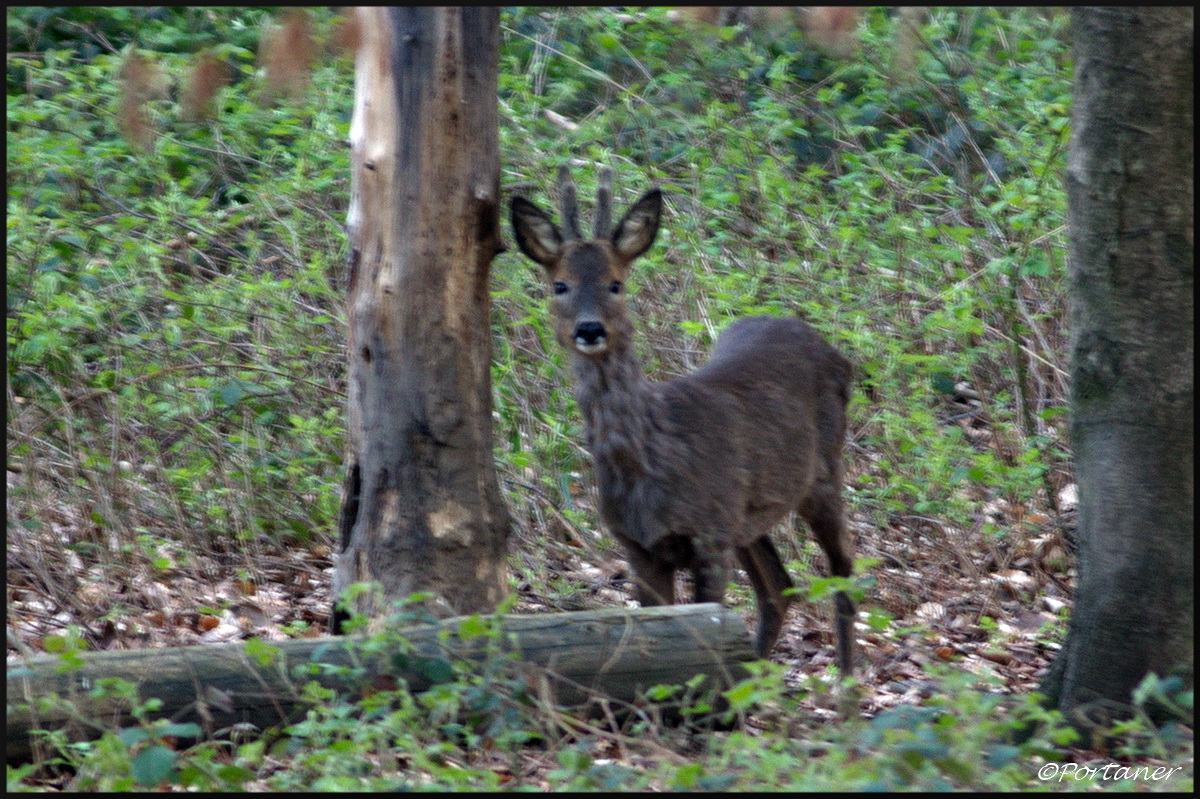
(373, 140)
(450, 521)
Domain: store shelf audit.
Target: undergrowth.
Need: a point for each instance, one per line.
(176, 382)
(481, 727)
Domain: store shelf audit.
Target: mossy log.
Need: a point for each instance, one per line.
(573, 659)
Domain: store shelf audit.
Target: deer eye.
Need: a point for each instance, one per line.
(560, 288)
(615, 287)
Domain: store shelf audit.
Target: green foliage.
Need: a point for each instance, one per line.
(171, 301)
(966, 734)
(88, 31)
(147, 755)
(175, 357)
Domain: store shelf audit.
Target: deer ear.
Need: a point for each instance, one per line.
(537, 236)
(637, 229)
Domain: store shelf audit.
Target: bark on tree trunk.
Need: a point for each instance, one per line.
(1130, 191)
(570, 659)
(422, 509)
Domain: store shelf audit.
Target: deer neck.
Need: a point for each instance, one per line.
(619, 407)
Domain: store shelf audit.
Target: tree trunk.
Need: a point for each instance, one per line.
(569, 658)
(1130, 191)
(422, 509)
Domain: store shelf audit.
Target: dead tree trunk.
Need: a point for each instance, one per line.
(422, 509)
(1130, 185)
(568, 659)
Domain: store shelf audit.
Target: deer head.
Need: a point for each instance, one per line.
(588, 275)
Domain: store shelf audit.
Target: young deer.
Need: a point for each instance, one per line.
(692, 468)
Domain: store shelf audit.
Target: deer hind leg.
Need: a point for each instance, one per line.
(711, 574)
(823, 512)
(770, 579)
(654, 580)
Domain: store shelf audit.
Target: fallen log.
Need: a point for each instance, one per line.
(575, 658)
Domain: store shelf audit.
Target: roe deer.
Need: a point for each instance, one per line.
(694, 467)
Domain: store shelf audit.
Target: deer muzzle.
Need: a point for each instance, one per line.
(590, 338)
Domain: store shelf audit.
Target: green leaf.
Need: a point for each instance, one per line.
(742, 695)
(943, 383)
(688, 775)
(261, 651)
(153, 765)
(606, 41)
(231, 393)
(472, 627)
(131, 736)
(1001, 755)
(661, 693)
(438, 670)
(234, 775)
(180, 730)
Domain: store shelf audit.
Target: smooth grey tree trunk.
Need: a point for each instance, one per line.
(422, 509)
(1130, 192)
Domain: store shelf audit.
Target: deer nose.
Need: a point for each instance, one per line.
(590, 337)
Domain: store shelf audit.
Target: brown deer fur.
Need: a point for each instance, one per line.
(693, 469)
